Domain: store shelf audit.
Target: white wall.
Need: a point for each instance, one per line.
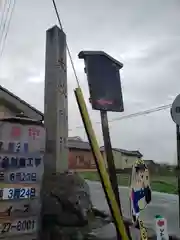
(121, 161)
(127, 161)
(117, 159)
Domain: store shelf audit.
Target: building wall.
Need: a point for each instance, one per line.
(81, 159)
(13, 102)
(121, 161)
(127, 161)
(5, 112)
(117, 159)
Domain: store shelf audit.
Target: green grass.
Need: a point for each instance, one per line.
(93, 176)
(166, 184)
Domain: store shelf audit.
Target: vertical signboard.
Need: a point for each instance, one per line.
(22, 144)
(104, 81)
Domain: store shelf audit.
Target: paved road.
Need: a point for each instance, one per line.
(163, 204)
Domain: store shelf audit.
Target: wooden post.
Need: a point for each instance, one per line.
(111, 164)
(55, 102)
(109, 155)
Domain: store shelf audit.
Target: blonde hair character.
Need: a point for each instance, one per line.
(140, 191)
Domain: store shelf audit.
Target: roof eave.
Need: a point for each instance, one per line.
(18, 103)
(85, 54)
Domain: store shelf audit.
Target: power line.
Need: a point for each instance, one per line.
(68, 50)
(4, 22)
(7, 29)
(132, 115)
(140, 113)
(2, 17)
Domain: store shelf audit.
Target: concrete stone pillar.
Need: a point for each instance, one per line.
(56, 102)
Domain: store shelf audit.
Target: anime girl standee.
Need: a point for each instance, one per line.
(140, 192)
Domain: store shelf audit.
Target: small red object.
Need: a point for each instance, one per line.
(160, 223)
(15, 132)
(33, 132)
(104, 102)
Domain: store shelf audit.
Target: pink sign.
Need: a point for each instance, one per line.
(34, 133)
(16, 131)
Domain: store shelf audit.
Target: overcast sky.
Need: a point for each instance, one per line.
(144, 35)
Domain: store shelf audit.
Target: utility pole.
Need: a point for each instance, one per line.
(55, 102)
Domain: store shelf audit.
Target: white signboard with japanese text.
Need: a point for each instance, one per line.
(22, 145)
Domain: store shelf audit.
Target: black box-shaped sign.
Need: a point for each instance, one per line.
(103, 80)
